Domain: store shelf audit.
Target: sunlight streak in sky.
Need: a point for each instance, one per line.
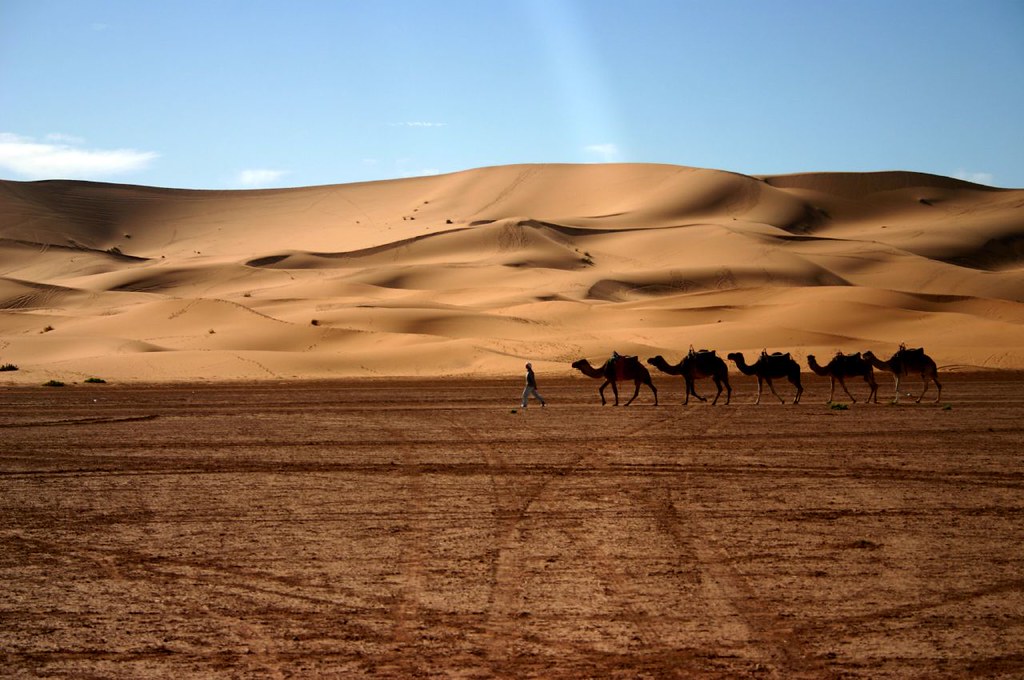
(586, 103)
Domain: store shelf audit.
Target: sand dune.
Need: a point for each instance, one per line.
(475, 272)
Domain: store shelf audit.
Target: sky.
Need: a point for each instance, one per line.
(236, 94)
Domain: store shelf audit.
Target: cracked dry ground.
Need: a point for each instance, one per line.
(401, 528)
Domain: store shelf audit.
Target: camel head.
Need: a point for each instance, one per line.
(812, 363)
(585, 367)
(870, 357)
(657, 361)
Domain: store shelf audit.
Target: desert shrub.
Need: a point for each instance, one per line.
(96, 381)
(8, 367)
(53, 383)
(836, 406)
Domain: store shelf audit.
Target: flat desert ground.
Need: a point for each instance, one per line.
(309, 459)
(424, 528)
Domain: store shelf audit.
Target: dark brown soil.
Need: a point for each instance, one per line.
(433, 528)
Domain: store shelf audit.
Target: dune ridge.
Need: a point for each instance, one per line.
(475, 272)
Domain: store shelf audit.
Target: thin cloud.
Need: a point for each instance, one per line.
(608, 153)
(418, 124)
(61, 138)
(62, 157)
(259, 178)
(986, 178)
(422, 172)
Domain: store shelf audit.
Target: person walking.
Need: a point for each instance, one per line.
(531, 387)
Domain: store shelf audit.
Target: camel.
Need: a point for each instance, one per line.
(702, 364)
(843, 366)
(615, 369)
(909, 362)
(768, 367)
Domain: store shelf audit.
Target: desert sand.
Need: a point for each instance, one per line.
(420, 528)
(471, 273)
(309, 458)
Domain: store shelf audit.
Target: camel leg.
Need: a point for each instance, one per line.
(691, 387)
(799, 389)
(832, 391)
(938, 386)
(772, 388)
(653, 389)
(842, 383)
(758, 400)
(636, 384)
(896, 399)
(601, 392)
(728, 391)
(869, 379)
(923, 389)
(615, 391)
(718, 384)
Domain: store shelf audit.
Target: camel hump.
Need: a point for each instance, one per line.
(624, 367)
(776, 355)
(912, 351)
(854, 358)
(702, 353)
(851, 363)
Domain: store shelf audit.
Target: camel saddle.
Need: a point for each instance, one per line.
(850, 361)
(620, 365)
(912, 351)
(775, 355)
(702, 353)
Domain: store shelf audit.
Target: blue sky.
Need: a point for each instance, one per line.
(221, 94)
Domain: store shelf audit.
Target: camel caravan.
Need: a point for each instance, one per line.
(704, 363)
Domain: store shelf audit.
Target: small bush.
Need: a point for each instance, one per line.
(315, 322)
(836, 406)
(47, 329)
(53, 383)
(945, 407)
(8, 367)
(96, 381)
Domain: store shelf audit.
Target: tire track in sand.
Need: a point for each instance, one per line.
(505, 599)
(743, 622)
